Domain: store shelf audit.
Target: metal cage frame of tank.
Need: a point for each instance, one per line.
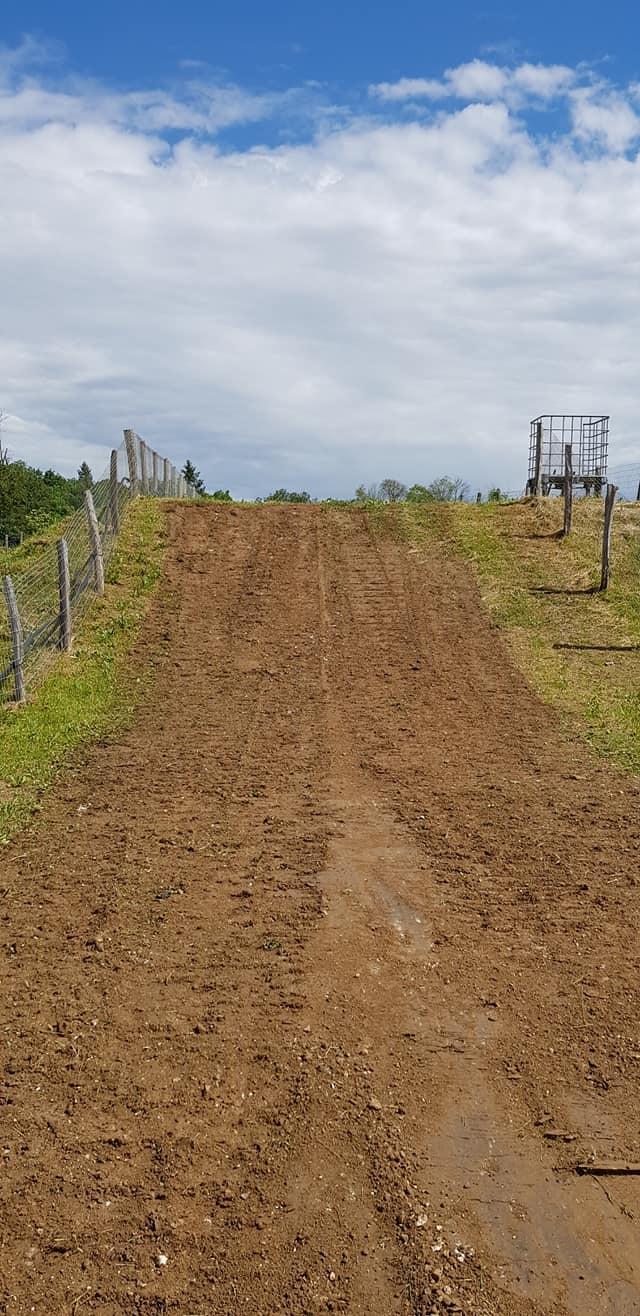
(588, 437)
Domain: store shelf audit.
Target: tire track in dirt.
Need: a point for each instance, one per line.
(464, 729)
(296, 973)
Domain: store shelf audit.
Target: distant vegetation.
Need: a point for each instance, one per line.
(443, 490)
(31, 500)
(193, 477)
(288, 496)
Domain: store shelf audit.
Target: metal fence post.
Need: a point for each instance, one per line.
(64, 590)
(568, 488)
(606, 536)
(537, 475)
(96, 542)
(114, 512)
(17, 639)
(130, 444)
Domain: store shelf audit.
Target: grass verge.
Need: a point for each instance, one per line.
(91, 691)
(579, 649)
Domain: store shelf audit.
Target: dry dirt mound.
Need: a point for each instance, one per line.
(316, 985)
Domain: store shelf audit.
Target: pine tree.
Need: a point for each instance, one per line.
(193, 477)
(85, 478)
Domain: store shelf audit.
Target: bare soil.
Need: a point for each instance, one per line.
(318, 983)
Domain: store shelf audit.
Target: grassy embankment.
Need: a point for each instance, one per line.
(91, 691)
(579, 649)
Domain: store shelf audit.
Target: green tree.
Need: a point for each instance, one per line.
(418, 493)
(392, 491)
(31, 500)
(448, 490)
(193, 477)
(85, 478)
(288, 496)
(221, 496)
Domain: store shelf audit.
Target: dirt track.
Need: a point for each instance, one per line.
(302, 978)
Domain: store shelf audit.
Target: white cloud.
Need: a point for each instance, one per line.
(481, 81)
(604, 116)
(477, 80)
(545, 81)
(409, 89)
(391, 297)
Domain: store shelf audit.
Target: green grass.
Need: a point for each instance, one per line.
(516, 556)
(92, 690)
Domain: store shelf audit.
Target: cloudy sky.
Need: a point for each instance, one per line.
(315, 270)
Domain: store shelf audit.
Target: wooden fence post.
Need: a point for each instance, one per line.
(130, 444)
(537, 477)
(568, 488)
(114, 511)
(64, 590)
(96, 542)
(606, 537)
(155, 479)
(17, 639)
(144, 474)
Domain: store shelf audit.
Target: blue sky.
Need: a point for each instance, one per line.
(342, 43)
(318, 245)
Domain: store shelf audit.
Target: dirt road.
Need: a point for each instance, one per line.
(317, 984)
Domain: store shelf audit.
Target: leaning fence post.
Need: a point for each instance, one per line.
(130, 444)
(144, 476)
(17, 639)
(537, 474)
(113, 492)
(96, 542)
(64, 590)
(568, 489)
(606, 537)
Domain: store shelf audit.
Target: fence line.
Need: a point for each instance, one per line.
(46, 601)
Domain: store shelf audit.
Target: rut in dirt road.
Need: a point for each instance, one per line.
(319, 980)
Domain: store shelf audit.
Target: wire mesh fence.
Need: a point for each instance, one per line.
(47, 596)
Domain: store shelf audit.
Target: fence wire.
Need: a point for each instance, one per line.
(134, 469)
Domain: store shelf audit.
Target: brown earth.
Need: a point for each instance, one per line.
(317, 984)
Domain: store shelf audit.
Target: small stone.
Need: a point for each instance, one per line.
(162, 1259)
(374, 1104)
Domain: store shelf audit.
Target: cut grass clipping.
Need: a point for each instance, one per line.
(88, 692)
(579, 649)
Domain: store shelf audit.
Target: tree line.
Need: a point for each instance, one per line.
(31, 499)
